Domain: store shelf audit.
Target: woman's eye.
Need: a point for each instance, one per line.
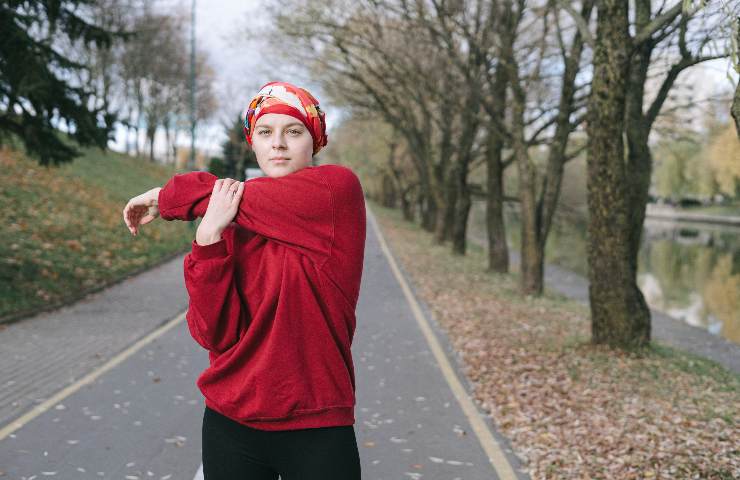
(263, 131)
(295, 132)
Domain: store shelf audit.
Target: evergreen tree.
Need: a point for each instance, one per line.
(37, 65)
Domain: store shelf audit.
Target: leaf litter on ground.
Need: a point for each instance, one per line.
(572, 410)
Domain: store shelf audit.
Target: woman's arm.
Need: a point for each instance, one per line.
(295, 210)
(215, 313)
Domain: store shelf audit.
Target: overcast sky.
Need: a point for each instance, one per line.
(223, 29)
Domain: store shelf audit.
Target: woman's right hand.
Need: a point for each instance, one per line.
(222, 208)
(141, 210)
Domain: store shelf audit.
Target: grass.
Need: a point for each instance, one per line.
(64, 231)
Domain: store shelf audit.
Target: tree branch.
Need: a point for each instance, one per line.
(580, 23)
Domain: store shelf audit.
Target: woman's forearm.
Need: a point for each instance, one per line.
(185, 196)
(206, 236)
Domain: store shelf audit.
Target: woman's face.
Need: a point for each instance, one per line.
(282, 144)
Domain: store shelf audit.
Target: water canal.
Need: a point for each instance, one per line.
(690, 271)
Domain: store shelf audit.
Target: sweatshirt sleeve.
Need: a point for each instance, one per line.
(215, 315)
(296, 209)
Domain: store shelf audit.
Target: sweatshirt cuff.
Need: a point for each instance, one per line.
(214, 250)
(161, 204)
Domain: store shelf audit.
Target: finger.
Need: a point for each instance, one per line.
(228, 183)
(125, 215)
(227, 190)
(236, 187)
(236, 198)
(217, 185)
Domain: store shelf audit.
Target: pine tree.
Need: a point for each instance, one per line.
(39, 93)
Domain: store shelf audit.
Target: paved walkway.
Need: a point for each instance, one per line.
(670, 213)
(105, 388)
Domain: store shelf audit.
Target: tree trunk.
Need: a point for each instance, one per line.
(150, 136)
(531, 268)
(556, 160)
(136, 139)
(639, 157)
(735, 110)
(388, 195)
(736, 106)
(464, 154)
(462, 212)
(443, 229)
(167, 141)
(428, 208)
(531, 257)
(129, 129)
(618, 316)
(174, 145)
(498, 250)
(407, 206)
(139, 110)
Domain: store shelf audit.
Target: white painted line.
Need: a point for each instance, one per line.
(89, 378)
(496, 456)
(199, 473)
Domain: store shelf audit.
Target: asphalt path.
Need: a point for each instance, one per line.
(105, 388)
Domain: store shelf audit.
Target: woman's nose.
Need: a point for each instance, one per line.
(278, 141)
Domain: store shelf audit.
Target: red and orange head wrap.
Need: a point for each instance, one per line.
(286, 98)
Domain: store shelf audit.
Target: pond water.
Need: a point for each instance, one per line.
(690, 271)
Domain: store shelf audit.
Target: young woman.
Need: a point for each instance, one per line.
(273, 278)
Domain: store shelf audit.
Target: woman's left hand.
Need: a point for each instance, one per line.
(222, 208)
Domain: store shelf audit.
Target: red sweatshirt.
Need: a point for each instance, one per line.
(274, 300)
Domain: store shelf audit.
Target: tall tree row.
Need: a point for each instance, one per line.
(81, 66)
(523, 84)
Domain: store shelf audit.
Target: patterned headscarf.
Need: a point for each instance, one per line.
(286, 98)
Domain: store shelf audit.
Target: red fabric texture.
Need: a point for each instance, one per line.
(274, 300)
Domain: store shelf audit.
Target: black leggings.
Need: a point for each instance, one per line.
(232, 451)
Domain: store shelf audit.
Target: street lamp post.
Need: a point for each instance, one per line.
(192, 88)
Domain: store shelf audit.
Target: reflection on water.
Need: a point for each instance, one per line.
(691, 273)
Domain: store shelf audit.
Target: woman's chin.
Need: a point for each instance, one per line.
(278, 172)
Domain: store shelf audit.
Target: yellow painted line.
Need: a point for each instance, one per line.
(496, 456)
(89, 378)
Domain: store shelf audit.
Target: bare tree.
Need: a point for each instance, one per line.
(379, 56)
(537, 119)
(155, 70)
(618, 188)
